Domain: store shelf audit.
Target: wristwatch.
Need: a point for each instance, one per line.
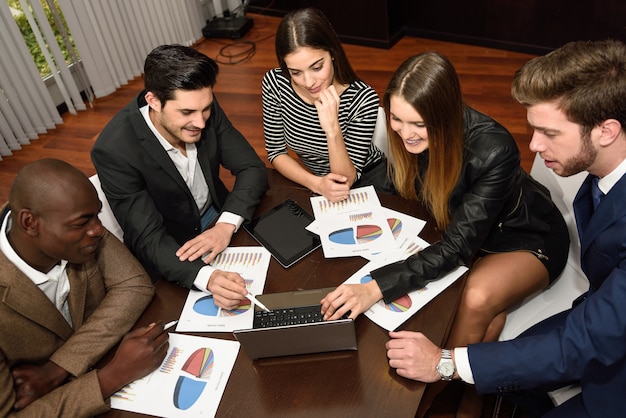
(446, 366)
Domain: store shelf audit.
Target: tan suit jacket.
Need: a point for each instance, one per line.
(107, 296)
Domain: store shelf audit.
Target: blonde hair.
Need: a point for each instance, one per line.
(429, 83)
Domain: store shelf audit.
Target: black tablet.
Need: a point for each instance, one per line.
(281, 230)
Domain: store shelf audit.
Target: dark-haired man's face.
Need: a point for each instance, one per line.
(182, 118)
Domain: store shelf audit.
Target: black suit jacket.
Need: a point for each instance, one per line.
(494, 207)
(150, 199)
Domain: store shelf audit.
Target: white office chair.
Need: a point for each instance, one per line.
(572, 281)
(106, 215)
(380, 133)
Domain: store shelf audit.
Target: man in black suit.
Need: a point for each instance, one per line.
(158, 161)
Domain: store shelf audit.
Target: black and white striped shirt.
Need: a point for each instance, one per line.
(290, 122)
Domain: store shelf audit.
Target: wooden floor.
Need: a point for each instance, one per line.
(485, 75)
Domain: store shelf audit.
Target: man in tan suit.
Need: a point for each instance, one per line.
(69, 291)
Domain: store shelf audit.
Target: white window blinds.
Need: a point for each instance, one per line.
(112, 38)
(26, 109)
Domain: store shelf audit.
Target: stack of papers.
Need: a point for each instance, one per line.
(360, 225)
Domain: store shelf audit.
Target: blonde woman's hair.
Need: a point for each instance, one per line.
(430, 84)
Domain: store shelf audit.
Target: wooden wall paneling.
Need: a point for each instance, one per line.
(374, 23)
(531, 26)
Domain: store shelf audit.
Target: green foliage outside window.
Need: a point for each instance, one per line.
(30, 39)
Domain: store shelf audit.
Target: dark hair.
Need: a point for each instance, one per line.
(310, 28)
(587, 80)
(430, 84)
(176, 67)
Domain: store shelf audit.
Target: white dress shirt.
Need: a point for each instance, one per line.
(190, 170)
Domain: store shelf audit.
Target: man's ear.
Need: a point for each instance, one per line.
(28, 222)
(153, 102)
(610, 131)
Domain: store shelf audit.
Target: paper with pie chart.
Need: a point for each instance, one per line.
(391, 315)
(354, 226)
(356, 234)
(360, 226)
(201, 314)
(189, 383)
(404, 228)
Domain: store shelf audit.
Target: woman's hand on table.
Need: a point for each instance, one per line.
(352, 298)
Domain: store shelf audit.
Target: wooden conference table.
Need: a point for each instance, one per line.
(338, 384)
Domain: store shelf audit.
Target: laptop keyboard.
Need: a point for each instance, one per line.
(288, 316)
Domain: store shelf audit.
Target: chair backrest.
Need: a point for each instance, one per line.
(106, 214)
(572, 281)
(563, 191)
(380, 133)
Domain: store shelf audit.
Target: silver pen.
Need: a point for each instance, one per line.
(256, 302)
(169, 325)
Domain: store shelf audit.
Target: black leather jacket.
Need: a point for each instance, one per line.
(495, 207)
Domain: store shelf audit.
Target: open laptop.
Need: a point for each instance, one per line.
(303, 338)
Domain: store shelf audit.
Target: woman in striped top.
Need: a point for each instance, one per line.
(317, 107)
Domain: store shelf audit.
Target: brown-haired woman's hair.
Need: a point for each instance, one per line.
(430, 84)
(310, 28)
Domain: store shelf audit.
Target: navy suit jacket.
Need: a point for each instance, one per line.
(150, 199)
(589, 345)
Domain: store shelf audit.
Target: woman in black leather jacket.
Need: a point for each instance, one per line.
(465, 167)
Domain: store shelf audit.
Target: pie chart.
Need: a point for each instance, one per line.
(200, 363)
(402, 304)
(396, 226)
(361, 234)
(206, 306)
(187, 392)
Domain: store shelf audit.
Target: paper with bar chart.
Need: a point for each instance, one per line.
(359, 200)
(189, 383)
(391, 315)
(201, 314)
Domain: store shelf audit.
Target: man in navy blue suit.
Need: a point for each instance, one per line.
(575, 98)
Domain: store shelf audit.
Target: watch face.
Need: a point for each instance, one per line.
(446, 369)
